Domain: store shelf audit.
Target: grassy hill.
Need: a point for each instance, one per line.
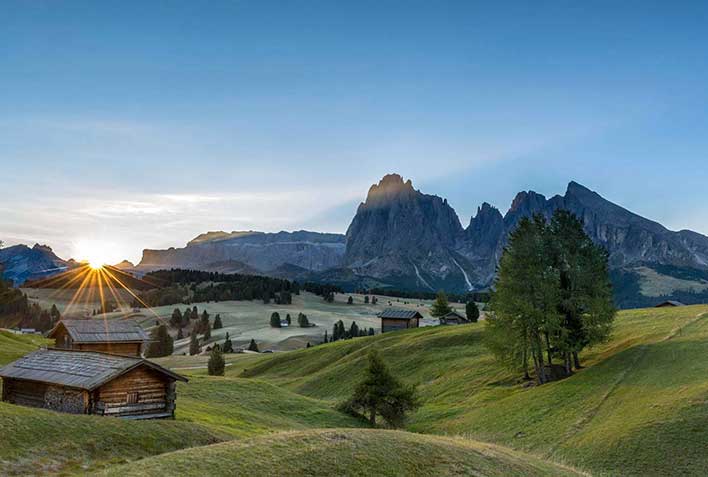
(345, 452)
(13, 346)
(640, 407)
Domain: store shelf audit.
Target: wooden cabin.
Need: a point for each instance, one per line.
(669, 303)
(453, 318)
(394, 319)
(123, 337)
(87, 382)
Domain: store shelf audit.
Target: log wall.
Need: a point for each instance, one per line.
(155, 394)
(125, 349)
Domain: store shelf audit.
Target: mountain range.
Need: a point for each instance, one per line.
(401, 238)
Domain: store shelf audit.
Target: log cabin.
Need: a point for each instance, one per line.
(453, 318)
(393, 319)
(89, 382)
(123, 337)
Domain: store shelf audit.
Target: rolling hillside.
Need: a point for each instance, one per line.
(640, 407)
(345, 452)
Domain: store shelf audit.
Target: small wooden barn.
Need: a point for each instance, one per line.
(453, 318)
(124, 337)
(87, 382)
(393, 319)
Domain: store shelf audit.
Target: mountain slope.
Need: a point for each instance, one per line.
(21, 263)
(346, 452)
(261, 251)
(639, 407)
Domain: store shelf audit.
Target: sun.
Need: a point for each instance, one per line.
(94, 253)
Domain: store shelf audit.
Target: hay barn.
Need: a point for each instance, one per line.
(88, 382)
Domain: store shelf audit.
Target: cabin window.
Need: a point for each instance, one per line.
(132, 398)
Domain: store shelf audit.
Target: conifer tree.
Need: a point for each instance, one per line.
(216, 364)
(472, 311)
(440, 306)
(217, 322)
(350, 300)
(380, 393)
(287, 319)
(161, 343)
(252, 346)
(275, 320)
(194, 347)
(228, 345)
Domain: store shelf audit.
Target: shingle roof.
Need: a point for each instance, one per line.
(76, 369)
(456, 314)
(398, 314)
(102, 331)
(670, 302)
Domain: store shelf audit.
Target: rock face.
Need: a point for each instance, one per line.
(255, 251)
(21, 263)
(409, 239)
(400, 232)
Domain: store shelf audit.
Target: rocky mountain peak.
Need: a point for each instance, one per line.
(389, 188)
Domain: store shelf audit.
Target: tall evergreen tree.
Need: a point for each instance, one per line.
(176, 318)
(194, 347)
(275, 320)
(161, 343)
(472, 311)
(228, 345)
(216, 364)
(217, 322)
(380, 393)
(440, 306)
(252, 346)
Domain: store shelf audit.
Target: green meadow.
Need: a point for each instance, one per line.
(639, 407)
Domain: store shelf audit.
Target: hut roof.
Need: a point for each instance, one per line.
(102, 331)
(455, 314)
(76, 369)
(670, 303)
(398, 314)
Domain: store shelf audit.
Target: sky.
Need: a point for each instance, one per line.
(129, 125)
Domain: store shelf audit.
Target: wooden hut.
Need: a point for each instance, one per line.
(453, 318)
(393, 319)
(87, 382)
(124, 337)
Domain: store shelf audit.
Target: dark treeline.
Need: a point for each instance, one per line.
(190, 286)
(480, 296)
(321, 289)
(15, 309)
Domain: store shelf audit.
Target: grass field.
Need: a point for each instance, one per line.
(640, 407)
(244, 320)
(345, 452)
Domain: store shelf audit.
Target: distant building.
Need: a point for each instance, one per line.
(453, 318)
(123, 337)
(393, 319)
(669, 303)
(87, 382)
(29, 331)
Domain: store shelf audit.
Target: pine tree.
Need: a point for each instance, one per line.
(216, 364)
(55, 315)
(440, 306)
(217, 322)
(176, 318)
(353, 330)
(275, 320)
(380, 393)
(228, 345)
(207, 331)
(252, 346)
(366, 299)
(194, 347)
(287, 319)
(302, 321)
(326, 339)
(161, 343)
(350, 300)
(472, 311)
(371, 332)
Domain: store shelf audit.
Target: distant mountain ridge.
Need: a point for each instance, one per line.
(401, 238)
(21, 263)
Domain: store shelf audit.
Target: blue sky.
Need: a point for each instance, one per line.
(142, 124)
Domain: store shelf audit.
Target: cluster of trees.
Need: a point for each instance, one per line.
(15, 308)
(381, 394)
(190, 286)
(201, 325)
(302, 321)
(340, 332)
(161, 343)
(324, 290)
(479, 297)
(553, 297)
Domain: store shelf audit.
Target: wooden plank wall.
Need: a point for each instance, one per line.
(125, 349)
(153, 390)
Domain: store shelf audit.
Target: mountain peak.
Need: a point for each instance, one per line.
(389, 187)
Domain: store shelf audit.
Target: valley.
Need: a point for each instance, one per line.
(638, 408)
